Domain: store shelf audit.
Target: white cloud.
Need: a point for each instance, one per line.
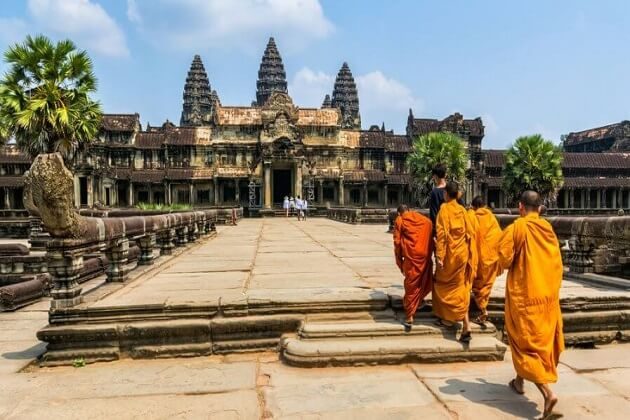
(197, 24)
(133, 14)
(83, 21)
(12, 30)
(381, 98)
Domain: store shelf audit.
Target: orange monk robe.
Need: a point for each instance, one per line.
(454, 246)
(413, 246)
(530, 251)
(488, 236)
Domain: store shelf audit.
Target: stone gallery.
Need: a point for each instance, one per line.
(254, 156)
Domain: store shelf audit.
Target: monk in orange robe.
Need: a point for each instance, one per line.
(456, 257)
(413, 246)
(488, 234)
(529, 249)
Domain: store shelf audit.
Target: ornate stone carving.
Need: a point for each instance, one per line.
(345, 97)
(199, 99)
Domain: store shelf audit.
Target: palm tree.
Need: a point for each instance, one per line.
(533, 163)
(45, 99)
(429, 150)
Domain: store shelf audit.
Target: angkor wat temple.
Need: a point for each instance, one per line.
(255, 155)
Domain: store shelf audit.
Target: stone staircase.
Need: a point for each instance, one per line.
(329, 342)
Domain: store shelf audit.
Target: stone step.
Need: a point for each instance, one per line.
(389, 350)
(383, 328)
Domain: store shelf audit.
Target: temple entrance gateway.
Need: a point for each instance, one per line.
(281, 185)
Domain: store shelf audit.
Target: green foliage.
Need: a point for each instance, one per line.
(164, 207)
(532, 163)
(44, 97)
(78, 362)
(431, 149)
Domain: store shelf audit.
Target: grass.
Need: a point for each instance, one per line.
(163, 207)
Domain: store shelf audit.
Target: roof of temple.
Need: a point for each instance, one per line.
(346, 97)
(178, 136)
(271, 75)
(197, 96)
(374, 139)
(126, 123)
(454, 123)
(236, 115)
(11, 154)
(496, 159)
(617, 130)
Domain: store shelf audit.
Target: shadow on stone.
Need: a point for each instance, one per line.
(29, 353)
(497, 396)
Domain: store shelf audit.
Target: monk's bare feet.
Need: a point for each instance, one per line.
(550, 402)
(517, 385)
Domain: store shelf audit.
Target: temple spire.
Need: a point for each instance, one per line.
(345, 97)
(198, 104)
(327, 103)
(271, 76)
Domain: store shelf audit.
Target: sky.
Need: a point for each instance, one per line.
(524, 67)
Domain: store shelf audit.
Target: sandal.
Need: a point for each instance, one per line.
(481, 319)
(407, 325)
(465, 337)
(512, 385)
(440, 323)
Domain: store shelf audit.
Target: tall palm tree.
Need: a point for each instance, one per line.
(533, 163)
(429, 150)
(45, 99)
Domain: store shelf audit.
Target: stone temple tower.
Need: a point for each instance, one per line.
(346, 97)
(271, 76)
(198, 101)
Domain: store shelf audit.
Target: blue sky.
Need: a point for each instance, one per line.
(538, 66)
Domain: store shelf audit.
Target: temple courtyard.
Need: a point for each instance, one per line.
(266, 270)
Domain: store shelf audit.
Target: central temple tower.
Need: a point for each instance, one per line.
(271, 75)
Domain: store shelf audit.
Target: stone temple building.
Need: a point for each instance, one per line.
(255, 155)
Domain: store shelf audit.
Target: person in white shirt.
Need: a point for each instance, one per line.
(304, 209)
(285, 205)
(298, 206)
(291, 205)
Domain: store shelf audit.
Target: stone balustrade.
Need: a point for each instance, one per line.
(358, 215)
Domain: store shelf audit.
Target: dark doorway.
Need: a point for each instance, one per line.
(83, 192)
(108, 197)
(121, 192)
(281, 185)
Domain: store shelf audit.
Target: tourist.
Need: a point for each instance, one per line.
(291, 205)
(437, 193)
(413, 246)
(285, 206)
(298, 207)
(488, 234)
(304, 209)
(530, 251)
(456, 258)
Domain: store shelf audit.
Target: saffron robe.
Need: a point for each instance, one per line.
(413, 246)
(454, 246)
(529, 249)
(487, 238)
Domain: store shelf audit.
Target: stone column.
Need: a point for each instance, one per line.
(588, 198)
(565, 196)
(321, 191)
(118, 255)
(167, 242)
(191, 190)
(613, 199)
(267, 184)
(598, 203)
(341, 192)
(237, 192)
(7, 198)
(150, 193)
(65, 268)
(130, 194)
(571, 198)
(385, 203)
(298, 180)
(146, 244)
(216, 190)
(582, 198)
(90, 191)
(628, 200)
(603, 199)
(365, 194)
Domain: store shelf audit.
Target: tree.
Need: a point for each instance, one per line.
(429, 150)
(533, 163)
(45, 99)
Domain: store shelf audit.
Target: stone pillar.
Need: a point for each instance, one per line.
(582, 198)
(167, 242)
(118, 255)
(150, 193)
(267, 184)
(167, 193)
(341, 192)
(603, 199)
(182, 236)
(130, 194)
(237, 192)
(365, 194)
(628, 200)
(216, 191)
(65, 269)
(298, 180)
(571, 198)
(146, 244)
(613, 199)
(566, 198)
(598, 203)
(90, 191)
(588, 198)
(191, 198)
(385, 203)
(321, 191)
(7, 198)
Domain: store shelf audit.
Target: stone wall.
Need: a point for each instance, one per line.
(359, 215)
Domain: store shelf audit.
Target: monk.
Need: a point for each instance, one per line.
(456, 258)
(413, 246)
(530, 251)
(488, 234)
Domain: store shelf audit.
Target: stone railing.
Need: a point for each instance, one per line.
(223, 214)
(570, 212)
(75, 238)
(358, 215)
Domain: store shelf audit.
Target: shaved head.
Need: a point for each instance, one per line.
(478, 202)
(530, 200)
(402, 208)
(452, 189)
